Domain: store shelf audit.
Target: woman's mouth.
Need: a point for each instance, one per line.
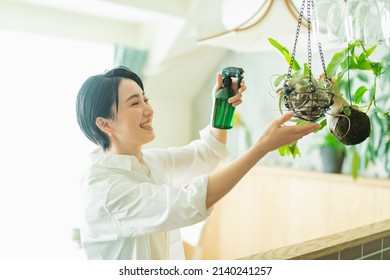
(146, 125)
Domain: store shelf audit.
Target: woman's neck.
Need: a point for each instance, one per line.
(133, 151)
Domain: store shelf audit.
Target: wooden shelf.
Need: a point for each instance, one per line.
(327, 245)
(275, 207)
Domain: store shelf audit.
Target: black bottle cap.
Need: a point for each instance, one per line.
(227, 82)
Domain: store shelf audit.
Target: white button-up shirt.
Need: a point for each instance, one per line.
(130, 212)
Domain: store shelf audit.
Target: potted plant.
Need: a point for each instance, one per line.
(355, 87)
(332, 154)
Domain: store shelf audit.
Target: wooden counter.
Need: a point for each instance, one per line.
(366, 242)
(277, 207)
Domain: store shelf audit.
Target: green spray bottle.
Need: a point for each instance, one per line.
(223, 111)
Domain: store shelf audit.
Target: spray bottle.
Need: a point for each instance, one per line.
(223, 111)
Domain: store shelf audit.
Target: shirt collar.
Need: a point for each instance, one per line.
(99, 156)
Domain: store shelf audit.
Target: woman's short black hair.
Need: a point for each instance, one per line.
(96, 98)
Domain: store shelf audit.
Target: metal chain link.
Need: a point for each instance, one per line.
(295, 43)
(310, 5)
(309, 56)
(322, 60)
(320, 49)
(309, 104)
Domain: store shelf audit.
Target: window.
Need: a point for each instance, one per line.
(44, 153)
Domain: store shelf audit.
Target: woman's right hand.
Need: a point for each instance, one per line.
(277, 134)
(221, 181)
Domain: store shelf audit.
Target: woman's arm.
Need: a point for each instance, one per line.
(221, 181)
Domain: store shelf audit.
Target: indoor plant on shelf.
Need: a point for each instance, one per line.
(332, 154)
(356, 77)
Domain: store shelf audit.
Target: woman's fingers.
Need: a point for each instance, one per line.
(219, 79)
(237, 98)
(218, 83)
(242, 86)
(284, 118)
(236, 103)
(277, 134)
(293, 133)
(310, 127)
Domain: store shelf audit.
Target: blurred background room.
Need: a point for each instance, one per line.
(49, 47)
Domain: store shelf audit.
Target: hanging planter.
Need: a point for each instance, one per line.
(312, 99)
(307, 97)
(349, 125)
(362, 122)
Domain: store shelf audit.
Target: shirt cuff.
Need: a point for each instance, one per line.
(218, 147)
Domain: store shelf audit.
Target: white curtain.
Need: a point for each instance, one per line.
(134, 59)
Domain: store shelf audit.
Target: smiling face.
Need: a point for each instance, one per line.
(132, 125)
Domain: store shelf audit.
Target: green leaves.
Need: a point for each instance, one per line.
(349, 59)
(377, 68)
(357, 78)
(355, 164)
(279, 79)
(366, 53)
(305, 71)
(285, 52)
(280, 104)
(290, 150)
(359, 94)
(335, 63)
(363, 77)
(347, 111)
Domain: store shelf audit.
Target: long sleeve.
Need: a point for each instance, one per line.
(197, 158)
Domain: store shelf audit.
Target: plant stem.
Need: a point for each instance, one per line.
(372, 99)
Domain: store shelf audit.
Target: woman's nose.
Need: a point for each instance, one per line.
(148, 111)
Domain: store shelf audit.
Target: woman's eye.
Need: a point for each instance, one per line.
(146, 100)
(135, 104)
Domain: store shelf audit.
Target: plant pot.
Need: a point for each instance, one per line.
(332, 160)
(307, 97)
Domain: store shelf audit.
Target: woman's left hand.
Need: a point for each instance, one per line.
(237, 98)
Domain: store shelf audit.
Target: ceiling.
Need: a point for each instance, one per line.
(172, 30)
(181, 36)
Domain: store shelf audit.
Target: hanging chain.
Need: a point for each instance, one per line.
(311, 103)
(320, 48)
(322, 60)
(310, 8)
(296, 41)
(309, 56)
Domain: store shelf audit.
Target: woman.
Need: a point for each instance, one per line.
(135, 200)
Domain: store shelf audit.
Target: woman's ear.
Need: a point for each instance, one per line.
(104, 125)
